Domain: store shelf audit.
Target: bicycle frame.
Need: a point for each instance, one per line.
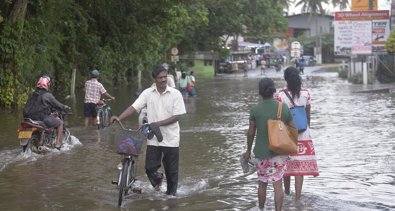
(103, 114)
(127, 172)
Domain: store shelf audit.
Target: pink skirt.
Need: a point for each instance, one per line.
(272, 169)
(304, 162)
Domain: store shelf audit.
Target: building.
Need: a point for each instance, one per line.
(309, 25)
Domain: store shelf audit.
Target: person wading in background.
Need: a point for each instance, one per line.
(93, 91)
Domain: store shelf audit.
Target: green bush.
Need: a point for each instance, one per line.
(357, 78)
(343, 73)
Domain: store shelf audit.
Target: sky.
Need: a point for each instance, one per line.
(382, 5)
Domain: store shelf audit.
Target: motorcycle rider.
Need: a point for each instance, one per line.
(40, 105)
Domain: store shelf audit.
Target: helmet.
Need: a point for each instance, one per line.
(44, 82)
(95, 73)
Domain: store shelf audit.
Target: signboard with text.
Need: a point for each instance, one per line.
(361, 32)
(363, 5)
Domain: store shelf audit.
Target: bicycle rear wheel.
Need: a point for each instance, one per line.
(123, 183)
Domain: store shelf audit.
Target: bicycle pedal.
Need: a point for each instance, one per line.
(114, 182)
(137, 190)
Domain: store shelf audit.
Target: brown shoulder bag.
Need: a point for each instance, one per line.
(283, 139)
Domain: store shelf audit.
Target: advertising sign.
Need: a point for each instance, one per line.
(361, 32)
(361, 37)
(280, 44)
(380, 34)
(343, 37)
(363, 5)
(295, 45)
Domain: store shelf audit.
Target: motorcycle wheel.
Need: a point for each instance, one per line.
(34, 142)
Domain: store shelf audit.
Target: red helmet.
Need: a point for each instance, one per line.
(44, 83)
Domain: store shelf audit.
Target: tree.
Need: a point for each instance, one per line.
(54, 37)
(390, 43)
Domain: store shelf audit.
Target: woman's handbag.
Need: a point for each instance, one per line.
(188, 87)
(299, 115)
(283, 139)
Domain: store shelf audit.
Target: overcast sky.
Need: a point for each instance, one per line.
(382, 4)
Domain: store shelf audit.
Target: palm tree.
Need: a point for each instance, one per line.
(284, 3)
(343, 4)
(312, 6)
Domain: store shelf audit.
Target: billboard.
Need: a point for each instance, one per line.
(363, 5)
(361, 32)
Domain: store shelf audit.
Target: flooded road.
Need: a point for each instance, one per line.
(353, 133)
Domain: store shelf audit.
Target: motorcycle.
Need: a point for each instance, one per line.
(37, 137)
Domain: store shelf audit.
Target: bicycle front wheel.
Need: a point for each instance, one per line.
(99, 119)
(123, 182)
(106, 117)
(132, 173)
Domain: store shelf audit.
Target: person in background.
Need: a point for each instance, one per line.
(183, 84)
(178, 77)
(302, 63)
(263, 66)
(165, 105)
(192, 82)
(304, 162)
(40, 105)
(93, 91)
(296, 62)
(270, 165)
(170, 77)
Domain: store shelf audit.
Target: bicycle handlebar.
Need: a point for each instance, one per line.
(107, 100)
(126, 129)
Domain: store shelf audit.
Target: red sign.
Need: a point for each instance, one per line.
(362, 15)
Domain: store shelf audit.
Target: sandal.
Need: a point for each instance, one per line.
(58, 147)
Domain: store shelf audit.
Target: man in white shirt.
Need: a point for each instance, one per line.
(164, 106)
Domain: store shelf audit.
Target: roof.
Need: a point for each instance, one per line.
(308, 14)
(251, 45)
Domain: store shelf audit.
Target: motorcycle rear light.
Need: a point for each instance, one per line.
(21, 129)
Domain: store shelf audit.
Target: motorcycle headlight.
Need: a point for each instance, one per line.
(119, 166)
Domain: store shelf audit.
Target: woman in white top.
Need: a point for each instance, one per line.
(303, 162)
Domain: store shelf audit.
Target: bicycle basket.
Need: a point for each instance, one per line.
(129, 144)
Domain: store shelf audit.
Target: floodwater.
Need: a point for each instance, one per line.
(353, 135)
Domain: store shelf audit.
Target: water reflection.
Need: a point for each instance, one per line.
(353, 137)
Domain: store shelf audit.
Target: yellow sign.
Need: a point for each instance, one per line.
(362, 5)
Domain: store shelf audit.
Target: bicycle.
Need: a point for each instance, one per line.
(103, 114)
(129, 147)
